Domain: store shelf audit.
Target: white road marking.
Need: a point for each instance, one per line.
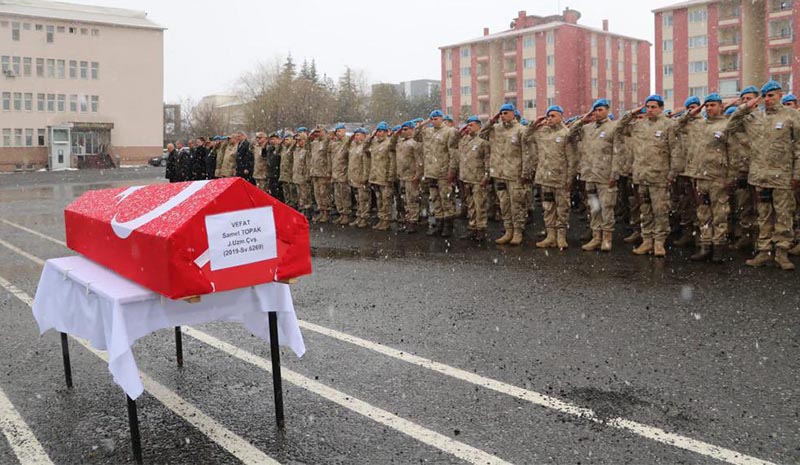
(432, 438)
(234, 444)
(26, 447)
(35, 233)
(650, 432)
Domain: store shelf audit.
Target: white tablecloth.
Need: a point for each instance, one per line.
(79, 297)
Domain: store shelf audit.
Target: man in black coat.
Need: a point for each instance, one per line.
(172, 164)
(244, 158)
(197, 160)
(274, 187)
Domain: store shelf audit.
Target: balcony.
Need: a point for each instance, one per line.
(729, 67)
(778, 6)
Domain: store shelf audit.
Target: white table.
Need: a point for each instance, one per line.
(79, 297)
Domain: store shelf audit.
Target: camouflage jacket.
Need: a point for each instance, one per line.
(706, 143)
(382, 161)
(510, 160)
(259, 161)
(473, 155)
(596, 152)
(556, 160)
(439, 146)
(656, 154)
(339, 150)
(287, 162)
(358, 164)
(409, 160)
(300, 164)
(320, 157)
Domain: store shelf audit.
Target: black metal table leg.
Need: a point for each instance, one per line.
(65, 356)
(276, 368)
(133, 422)
(178, 346)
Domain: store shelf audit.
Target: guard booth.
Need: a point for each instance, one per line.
(60, 147)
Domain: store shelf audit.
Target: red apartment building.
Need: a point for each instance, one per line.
(541, 61)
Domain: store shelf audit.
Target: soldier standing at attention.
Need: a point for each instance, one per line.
(320, 172)
(511, 166)
(774, 171)
(409, 173)
(381, 173)
(358, 167)
(655, 166)
(339, 149)
(556, 165)
(439, 151)
(690, 137)
(473, 171)
(259, 154)
(741, 148)
(287, 164)
(300, 173)
(598, 134)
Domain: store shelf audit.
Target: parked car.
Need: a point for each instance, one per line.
(159, 161)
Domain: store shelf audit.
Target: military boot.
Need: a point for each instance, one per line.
(480, 235)
(645, 248)
(436, 228)
(506, 238)
(344, 220)
(354, 223)
(795, 251)
(605, 246)
(586, 235)
(658, 249)
(594, 244)
(324, 217)
(411, 228)
(362, 223)
(561, 239)
(718, 253)
(743, 243)
(761, 259)
(447, 229)
(382, 225)
(516, 238)
(469, 234)
(687, 237)
(549, 241)
(635, 236)
(782, 259)
(702, 254)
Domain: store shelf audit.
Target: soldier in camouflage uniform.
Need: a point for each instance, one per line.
(287, 163)
(655, 166)
(358, 167)
(409, 173)
(320, 172)
(381, 173)
(226, 159)
(300, 173)
(556, 167)
(339, 149)
(598, 133)
(473, 171)
(439, 147)
(622, 170)
(774, 171)
(683, 195)
(744, 210)
(511, 167)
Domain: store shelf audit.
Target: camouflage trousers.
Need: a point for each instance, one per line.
(444, 202)
(384, 196)
(629, 203)
(262, 184)
(683, 199)
(776, 208)
(341, 198)
(513, 198)
(713, 208)
(654, 212)
(290, 193)
(476, 197)
(322, 193)
(555, 203)
(304, 191)
(602, 201)
(410, 194)
(363, 198)
(744, 210)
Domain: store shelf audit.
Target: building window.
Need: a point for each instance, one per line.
(551, 101)
(5, 63)
(529, 83)
(16, 65)
(73, 69)
(39, 102)
(51, 68)
(40, 67)
(449, 92)
(698, 16)
(698, 41)
(634, 69)
(28, 101)
(6, 101)
(729, 87)
(698, 66)
(668, 94)
(594, 62)
(550, 37)
(634, 87)
(529, 104)
(39, 27)
(95, 32)
(551, 80)
(84, 103)
(84, 31)
(28, 137)
(95, 70)
(449, 73)
(96, 102)
(608, 64)
(464, 72)
(15, 31)
(72, 30)
(699, 91)
(40, 137)
(465, 52)
(608, 84)
(7, 137)
(622, 86)
(529, 63)
(551, 59)
(50, 34)
(667, 45)
(666, 19)
(62, 103)
(84, 70)
(17, 101)
(465, 90)
(51, 102)
(73, 103)
(60, 65)
(528, 42)
(668, 70)
(26, 66)
(18, 137)
(594, 83)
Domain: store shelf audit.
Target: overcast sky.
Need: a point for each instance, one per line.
(208, 44)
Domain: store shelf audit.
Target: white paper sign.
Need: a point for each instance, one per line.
(241, 237)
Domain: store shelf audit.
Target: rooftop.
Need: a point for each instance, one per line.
(78, 13)
(681, 5)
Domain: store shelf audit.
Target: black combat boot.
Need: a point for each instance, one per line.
(703, 254)
(447, 229)
(718, 254)
(436, 228)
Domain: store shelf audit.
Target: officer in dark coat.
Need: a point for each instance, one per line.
(172, 164)
(274, 167)
(244, 159)
(197, 160)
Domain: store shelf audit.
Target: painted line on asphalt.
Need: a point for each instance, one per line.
(26, 447)
(650, 432)
(34, 232)
(420, 433)
(234, 444)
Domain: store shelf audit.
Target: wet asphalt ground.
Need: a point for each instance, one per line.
(707, 353)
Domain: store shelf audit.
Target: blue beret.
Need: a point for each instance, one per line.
(417, 120)
(788, 98)
(693, 100)
(409, 124)
(731, 110)
(474, 119)
(507, 107)
(749, 90)
(360, 131)
(715, 97)
(554, 108)
(655, 98)
(611, 116)
(436, 114)
(523, 121)
(448, 118)
(215, 138)
(517, 113)
(770, 86)
(382, 126)
(302, 129)
(644, 110)
(397, 128)
(338, 126)
(601, 103)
